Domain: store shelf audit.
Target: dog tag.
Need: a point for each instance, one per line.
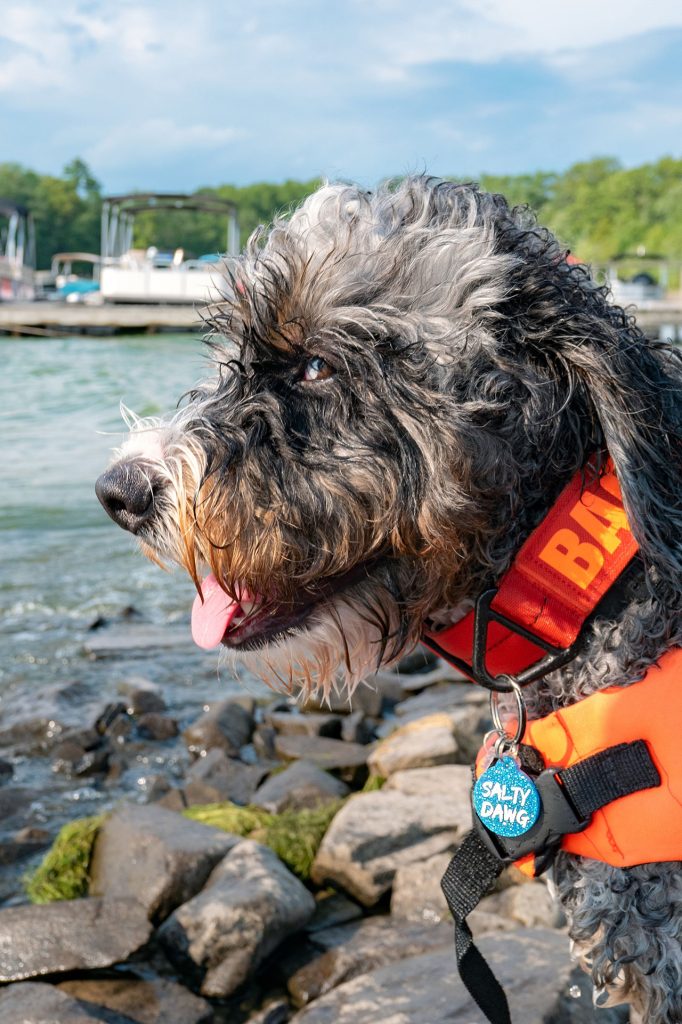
(506, 799)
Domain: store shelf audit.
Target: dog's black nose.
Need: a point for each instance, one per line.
(127, 495)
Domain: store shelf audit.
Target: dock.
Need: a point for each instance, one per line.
(59, 319)
(48, 319)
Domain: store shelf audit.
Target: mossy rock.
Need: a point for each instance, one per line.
(293, 835)
(63, 872)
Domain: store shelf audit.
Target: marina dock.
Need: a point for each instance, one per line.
(66, 318)
(47, 319)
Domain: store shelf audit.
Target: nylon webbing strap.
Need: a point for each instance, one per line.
(468, 877)
(609, 775)
(613, 773)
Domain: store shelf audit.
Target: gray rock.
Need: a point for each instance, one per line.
(420, 660)
(441, 697)
(452, 782)
(332, 909)
(302, 784)
(533, 966)
(153, 725)
(376, 833)
(68, 936)
(250, 904)
(264, 737)
(357, 728)
(313, 723)
(142, 696)
(226, 725)
(419, 744)
(136, 637)
(145, 1001)
(417, 895)
(155, 855)
(275, 1011)
(217, 777)
(530, 905)
(34, 1002)
(367, 697)
(352, 949)
(324, 752)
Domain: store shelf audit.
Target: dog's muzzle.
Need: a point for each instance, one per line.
(126, 492)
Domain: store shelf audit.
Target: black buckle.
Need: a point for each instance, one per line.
(558, 817)
(484, 614)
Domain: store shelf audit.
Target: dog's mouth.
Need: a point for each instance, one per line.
(251, 621)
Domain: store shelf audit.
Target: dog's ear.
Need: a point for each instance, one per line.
(621, 392)
(633, 389)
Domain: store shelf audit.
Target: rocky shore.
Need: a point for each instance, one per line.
(286, 869)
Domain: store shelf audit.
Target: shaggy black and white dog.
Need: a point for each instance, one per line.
(404, 382)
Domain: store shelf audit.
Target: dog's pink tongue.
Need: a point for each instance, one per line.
(211, 617)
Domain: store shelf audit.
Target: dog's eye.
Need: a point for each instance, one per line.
(317, 368)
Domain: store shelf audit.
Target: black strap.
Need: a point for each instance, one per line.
(587, 786)
(468, 877)
(609, 775)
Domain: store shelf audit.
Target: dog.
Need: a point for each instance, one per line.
(404, 381)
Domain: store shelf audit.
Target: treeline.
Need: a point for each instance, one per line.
(597, 208)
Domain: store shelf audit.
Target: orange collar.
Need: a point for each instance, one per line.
(531, 624)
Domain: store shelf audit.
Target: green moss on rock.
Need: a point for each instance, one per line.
(296, 835)
(293, 835)
(229, 817)
(63, 872)
(374, 782)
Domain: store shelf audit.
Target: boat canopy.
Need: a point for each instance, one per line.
(118, 217)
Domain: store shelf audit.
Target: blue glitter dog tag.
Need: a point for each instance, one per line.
(506, 800)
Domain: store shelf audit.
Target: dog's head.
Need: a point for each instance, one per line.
(403, 382)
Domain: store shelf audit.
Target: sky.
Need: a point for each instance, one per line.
(175, 94)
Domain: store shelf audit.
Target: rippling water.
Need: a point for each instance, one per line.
(63, 563)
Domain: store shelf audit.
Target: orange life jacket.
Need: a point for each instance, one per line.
(557, 581)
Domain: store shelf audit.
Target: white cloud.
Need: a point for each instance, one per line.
(159, 137)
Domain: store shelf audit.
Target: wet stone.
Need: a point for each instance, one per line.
(331, 909)
(264, 742)
(314, 723)
(227, 725)
(376, 833)
(417, 895)
(442, 697)
(34, 1002)
(300, 785)
(152, 1001)
(250, 904)
(419, 744)
(420, 660)
(143, 697)
(156, 855)
(357, 728)
(153, 725)
(532, 965)
(217, 777)
(346, 951)
(324, 752)
(69, 935)
(108, 717)
(6, 770)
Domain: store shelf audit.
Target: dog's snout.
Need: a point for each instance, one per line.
(126, 493)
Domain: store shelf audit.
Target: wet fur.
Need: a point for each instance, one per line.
(475, 372)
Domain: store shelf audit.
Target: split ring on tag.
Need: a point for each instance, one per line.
(505, 798)
(505, 742)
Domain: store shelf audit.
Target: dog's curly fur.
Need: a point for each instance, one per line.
(463, 370)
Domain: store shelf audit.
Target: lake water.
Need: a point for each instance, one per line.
(64, 565)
